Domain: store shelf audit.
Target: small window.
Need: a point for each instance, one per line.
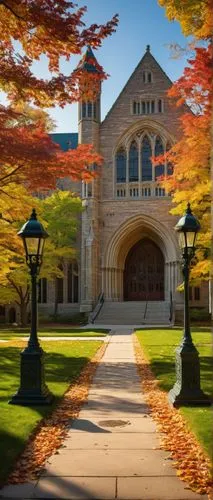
(197, 293)
(42, 291)
(94, 110)
(147, 77)
(134, 108)
(148, 107)
(84, 110)
(153, 106)
(72, 283)
(143, 107)
(89, 110)
(60, 288)
(160, 106)
(89, 192)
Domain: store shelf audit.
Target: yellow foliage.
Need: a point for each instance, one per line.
(194, 16)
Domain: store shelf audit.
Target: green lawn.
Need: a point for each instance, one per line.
(14, 333)
(63, 363)
(159, 345)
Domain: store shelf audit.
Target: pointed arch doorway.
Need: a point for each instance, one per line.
(144, 272)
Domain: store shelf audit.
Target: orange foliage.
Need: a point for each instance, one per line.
(29, 155)
(190, 156)
(49, 434)
(192, 465)
(53, 29)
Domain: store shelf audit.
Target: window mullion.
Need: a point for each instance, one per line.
(139, 163)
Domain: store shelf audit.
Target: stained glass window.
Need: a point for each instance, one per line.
(159, 169)
(121, 166)
(146, 160)
(133, 163)
(169, 165)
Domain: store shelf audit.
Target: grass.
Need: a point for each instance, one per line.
(63, 363)
(159, 345)
(14, 333)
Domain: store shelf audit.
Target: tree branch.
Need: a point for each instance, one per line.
(2, 2)
(11, 173)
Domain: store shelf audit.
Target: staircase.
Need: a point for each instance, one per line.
(134, 313)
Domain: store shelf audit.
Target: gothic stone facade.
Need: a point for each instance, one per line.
(128, 249)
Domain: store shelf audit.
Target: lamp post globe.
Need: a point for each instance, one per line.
(187, 390)
(33, 235)
(33, 390)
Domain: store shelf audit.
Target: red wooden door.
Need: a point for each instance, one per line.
(144, 272)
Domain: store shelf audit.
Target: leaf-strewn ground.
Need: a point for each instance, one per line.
(188, 431)
(63, 364)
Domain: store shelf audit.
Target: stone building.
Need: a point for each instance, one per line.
(128, 250)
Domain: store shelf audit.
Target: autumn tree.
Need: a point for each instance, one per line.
(194, 16)
(61, 211)
(59, 214)
(190, 156)
(53, 29)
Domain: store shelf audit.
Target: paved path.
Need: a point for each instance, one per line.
(112, 449)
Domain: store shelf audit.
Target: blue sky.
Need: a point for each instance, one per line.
(141, 22)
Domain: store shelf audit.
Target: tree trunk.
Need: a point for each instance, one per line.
(23, 314)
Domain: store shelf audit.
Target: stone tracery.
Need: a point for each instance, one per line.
(133, 164)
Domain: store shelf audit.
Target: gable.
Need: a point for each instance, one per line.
(137, 87)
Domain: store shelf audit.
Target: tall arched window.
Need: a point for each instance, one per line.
(72, 282)
(120, 161)
(133, 162)
(146, 154)
(169, 165)
(159, 169)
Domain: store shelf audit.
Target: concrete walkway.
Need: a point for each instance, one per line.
(112, 449)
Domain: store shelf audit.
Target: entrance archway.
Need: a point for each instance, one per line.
(129, 234)
(144, 272)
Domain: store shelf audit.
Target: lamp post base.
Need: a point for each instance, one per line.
(186, 391)
(33, 390)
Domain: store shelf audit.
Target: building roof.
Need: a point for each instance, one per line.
(147, 57)
(66, 140)
(89, 62)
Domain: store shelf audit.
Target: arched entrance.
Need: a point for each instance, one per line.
(144, 272)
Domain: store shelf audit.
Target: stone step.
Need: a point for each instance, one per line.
(132, 313)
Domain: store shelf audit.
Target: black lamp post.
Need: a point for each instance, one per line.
(33, 390)
(186, 390)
